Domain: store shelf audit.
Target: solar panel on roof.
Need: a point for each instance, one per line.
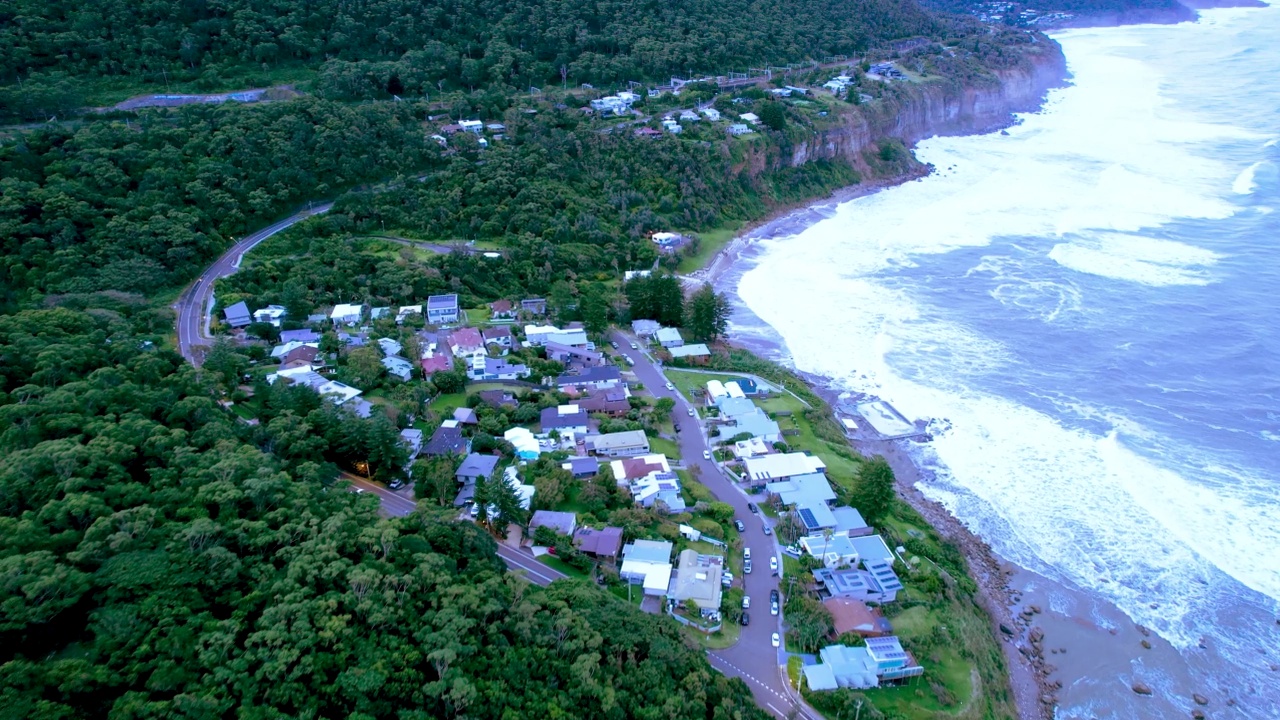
(806, 517)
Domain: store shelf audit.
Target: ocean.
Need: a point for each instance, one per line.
(1085, 308)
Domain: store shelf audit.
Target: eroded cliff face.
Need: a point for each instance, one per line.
(915, 111)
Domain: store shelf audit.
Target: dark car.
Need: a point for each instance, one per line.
(738, 524)
(752, 507)
(773, 595)
(677, 428)
(746, 619)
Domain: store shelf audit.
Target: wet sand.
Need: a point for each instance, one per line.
(1070, 653)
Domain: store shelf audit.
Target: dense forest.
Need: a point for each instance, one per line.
(157, 561)
(435, 44)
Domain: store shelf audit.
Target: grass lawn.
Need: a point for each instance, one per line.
(915, 700)
(556, 563)
(794, 664)
(445, 404)
(478, 316)
(243, 411)
(665, 446)
(687, 382)
(710, 243)
(620, 592)
(726, 636)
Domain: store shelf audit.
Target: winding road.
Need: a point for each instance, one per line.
(196, 302)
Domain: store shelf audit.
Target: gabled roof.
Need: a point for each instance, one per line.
(582, 465)
(436, 363)
(477, 465)
(302, 336)
(605, 541)
(446, 441)
(466, 338)
(650, 551)
(598, 374)
(563, 416)
(563, 523)
(442, 302)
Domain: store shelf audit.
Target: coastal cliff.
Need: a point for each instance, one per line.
(912, 111)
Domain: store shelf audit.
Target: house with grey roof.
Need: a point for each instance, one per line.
(669, 337)
(698, 579)
(476, 466)
(238, 315)
(602, 544)
(593, 377)
(582, 467)
(447, 440)
(619, 444)
(563, 523)
(442, 309)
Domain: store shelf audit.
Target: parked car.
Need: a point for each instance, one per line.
(746, 620)
(677, 427)
(773, 596)
(614, 343)
(706, 454)
(746, 553)
(738, 524)
(726, 579)
(773, 565)
(746, 601)
(752, 507)
(777, 641)
(768, 530)
(634, 346)
(746, 566)
(670, 386)
(691, 412)
(631, 361)
(396, 484)
(773, 608)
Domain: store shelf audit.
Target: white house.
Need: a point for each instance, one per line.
(750, 117)
(467, 343)
(406, 311)
(346, 314)
(647, 563)
(689, 116)
(472, 126)
(567, 420)
(271, 314)
(413, 438)
(389, 347)
(484, 367)
(442, 309)
(739, 129)
(782, 466)
(672, 127)
(715, 392)
(669, 337)
(712, 114)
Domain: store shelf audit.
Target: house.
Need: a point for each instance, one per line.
(476, 466)
(435, 363)
(698, 579)
(853, 616)
(737, 129)
(533, 306)
(271, 314)
(451, 129)
(535, 335)
(755, 423)
(842, 667)
(802, 490)
(317, 318)
(566, 420)
(389, 346)
(780, 92)
(751, 447)
(465, 416)
(597, 378)
(337, 392)
(689, 116)
(873, 549)
(406, 311)
(835, 551)
(280, 351)
(796, 90)
(881, 586)
(697, 352)
(750, 117)
(891, 660)
(379, 312)
(346, 314)
(471, 126)
(301, 336)
(569, 338)
(466, 343)
(647, 563)
(582, 467)
(496, 127)
(848, 521)
(734, 389)
(349, 340)
(447, 440)
(602, 544)
(487, 368)
(562, 523)
(715, 392)
(413, 438)
(238, 315)
(732, 408)
(306, 355)
(502, 310)
(399, 368)
(669, 338)
(570, 355)
(442, 309)
(647, 132)
(672, 126)
(525, 444)
(658, 487)
(633, 468)
(500, 336)
(645, 328)
(609, 401)
(712, 114)
(619, 444)
(771, 468)
(498, 399)
(619, 104)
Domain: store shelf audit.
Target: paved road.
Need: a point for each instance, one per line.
(194, 304)
(753, 658)
(517, 561)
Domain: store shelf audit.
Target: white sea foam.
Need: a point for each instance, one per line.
(1244, 183)
(1145, 260)
(1109, 158)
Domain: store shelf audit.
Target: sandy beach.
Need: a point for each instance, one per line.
(1063, 646)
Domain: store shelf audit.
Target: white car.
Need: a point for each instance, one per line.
(691, 412)
(773, 608)
(670, 386)
(777, 641)
(706, 454)
(746, 602)
(746, 553)
(634, 346)
(773, 564)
